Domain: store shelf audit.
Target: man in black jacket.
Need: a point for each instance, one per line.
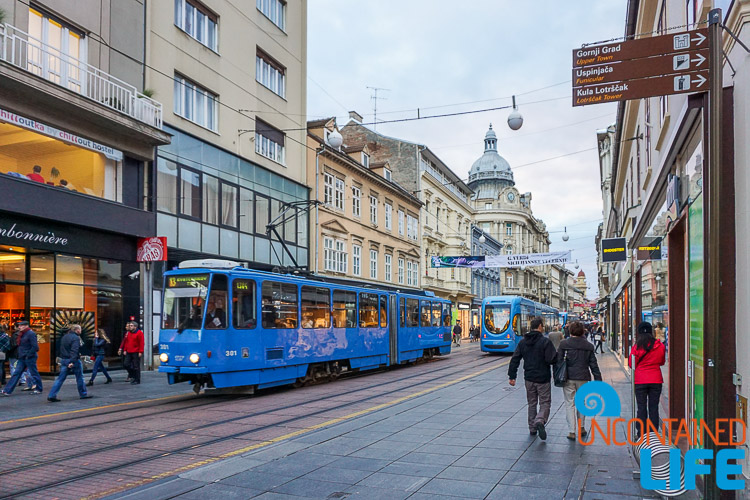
(27, 349)
(70, 346)
(538, 355)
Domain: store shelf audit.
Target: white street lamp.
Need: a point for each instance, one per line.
(335, 140)
(482, 239)
(565, 236)
(515, 120)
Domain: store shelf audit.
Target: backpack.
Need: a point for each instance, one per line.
(5, 345)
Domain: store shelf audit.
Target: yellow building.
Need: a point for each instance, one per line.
(366, 226)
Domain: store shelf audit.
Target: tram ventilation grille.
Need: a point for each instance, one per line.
(276, 353)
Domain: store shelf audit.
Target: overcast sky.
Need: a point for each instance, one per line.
(446, 57)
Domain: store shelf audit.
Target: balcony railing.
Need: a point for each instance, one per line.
(28, 53)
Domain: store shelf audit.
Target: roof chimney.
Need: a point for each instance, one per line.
(353, 115)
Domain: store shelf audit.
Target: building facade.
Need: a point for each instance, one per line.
(504, 214)
(238, 149)
(366, 225)
(445, 218)
(77, 142)
(659, 153)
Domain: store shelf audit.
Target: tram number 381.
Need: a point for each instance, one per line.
(230, 353)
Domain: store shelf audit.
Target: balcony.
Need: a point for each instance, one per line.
(31, 55)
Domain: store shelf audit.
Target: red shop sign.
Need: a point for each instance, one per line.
(152, 249)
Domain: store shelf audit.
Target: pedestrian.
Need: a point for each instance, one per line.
(599, 339)
(457, 333)
(649, 355)
(132, 348)
(100, 342)
(556, 336)
(27, 352)
(70, 361)
(580, 358)
(538, 355)
(5, 342)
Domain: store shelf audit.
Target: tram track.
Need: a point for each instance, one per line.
(203, 400)
(241, 434)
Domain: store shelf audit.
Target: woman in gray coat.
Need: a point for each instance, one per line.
(581, 360)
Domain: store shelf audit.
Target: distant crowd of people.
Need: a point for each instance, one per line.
(21, 350)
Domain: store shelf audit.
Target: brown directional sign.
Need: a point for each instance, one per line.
(641, 68)
(644, 47)
(643, 87)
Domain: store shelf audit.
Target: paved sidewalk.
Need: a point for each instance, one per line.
(153, 386)
(468, 440)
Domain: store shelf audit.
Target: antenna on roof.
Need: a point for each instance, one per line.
(374, 97)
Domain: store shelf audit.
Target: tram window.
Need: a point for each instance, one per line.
(496, 317)
(436, 312)
(279, 305)
(412, 311)
(526, 316)
(243, 304)
(344, 309)
(383, 311)
(447, 314)
(368, 310)
(425, 314)
(402, 310)
(216, 315)
(316, 307)
(184, 298)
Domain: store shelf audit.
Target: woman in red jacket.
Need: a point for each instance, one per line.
(649, 355)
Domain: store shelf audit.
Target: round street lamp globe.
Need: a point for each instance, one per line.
(565, 236)
(482, 239)
(515, 120)
(335, 140)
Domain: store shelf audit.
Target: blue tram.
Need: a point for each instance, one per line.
(226, 326)
(506, 318)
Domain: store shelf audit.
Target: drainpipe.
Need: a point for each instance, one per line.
(317, 182)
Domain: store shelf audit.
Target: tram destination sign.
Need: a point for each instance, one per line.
(641, 68)
(645, 47)
(640, 88)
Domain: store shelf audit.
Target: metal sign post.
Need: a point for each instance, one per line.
(712, 284)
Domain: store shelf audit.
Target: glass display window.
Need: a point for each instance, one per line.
(39, 158)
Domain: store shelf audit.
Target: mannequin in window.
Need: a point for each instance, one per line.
(215, 316)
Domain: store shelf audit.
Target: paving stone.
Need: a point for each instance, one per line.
(428, 458)
(485, 463)
(223, 491)
(311, 488)
(506, 491)
(257, 480)
(617, 486)
(359, 463)
(163, 489)
(556, 481)
(221, 470)
(457, 488)
(336, 475)
(473, 474)
(413, 469)
(394, 481)
(370, 493)
(444, 449)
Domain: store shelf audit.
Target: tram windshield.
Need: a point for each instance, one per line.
(496, 317)
(184, 298)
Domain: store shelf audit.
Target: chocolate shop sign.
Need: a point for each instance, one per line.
(12, 231)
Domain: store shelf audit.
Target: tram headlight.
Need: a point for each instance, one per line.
(194, 358)
(164, 357)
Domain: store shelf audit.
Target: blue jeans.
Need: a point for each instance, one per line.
(21, 366)
(99, 365)
(64, 370)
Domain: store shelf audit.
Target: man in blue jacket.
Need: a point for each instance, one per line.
(28, 349)
(70, 346)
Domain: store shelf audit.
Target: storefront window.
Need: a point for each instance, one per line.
(64, 290)
(654, 278)
(12, 267)
(38, 158)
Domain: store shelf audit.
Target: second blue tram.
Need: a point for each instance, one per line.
(506, 318)
(226, 326)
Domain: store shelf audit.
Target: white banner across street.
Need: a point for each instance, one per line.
(528, 259)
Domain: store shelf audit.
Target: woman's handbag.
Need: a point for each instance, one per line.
(560, 373)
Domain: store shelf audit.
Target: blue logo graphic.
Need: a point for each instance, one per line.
(597, 399)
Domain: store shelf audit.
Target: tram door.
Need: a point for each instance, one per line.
(393, 328)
